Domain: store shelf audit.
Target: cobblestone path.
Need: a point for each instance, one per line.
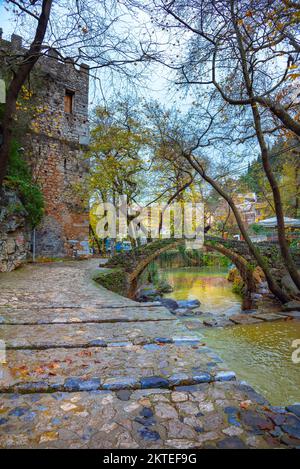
(86, 368)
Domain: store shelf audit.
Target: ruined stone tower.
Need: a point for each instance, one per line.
(55, 147)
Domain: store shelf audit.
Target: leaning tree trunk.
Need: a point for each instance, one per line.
(170, 200)
(29, 60)
(95, 238)
(273, 285)
(284, 248)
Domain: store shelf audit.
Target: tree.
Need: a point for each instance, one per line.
(179, 135)
(24, 68)
(284, 158)
(82, 30)
(234, 49)
(118, 155)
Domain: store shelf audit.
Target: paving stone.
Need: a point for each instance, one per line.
(165, 411)
(179, 378)
(77, 384)
(292, 305)
(179, 396)
(255, 420)
(290, 441)
(291, 314)
(233, 431)
(225, 376)
(38, 370)
(120, 383)
(149, 435)
(295, 409)
(87, 314)
(91, 338)
(268, 316)
(212, 421)
(292, 430)
(232, 442)
(202, 378)
(154, 382)
(163, 340)
(146, 422)
(176, 429)
(79, 335)
(124, 394)
(244, 319)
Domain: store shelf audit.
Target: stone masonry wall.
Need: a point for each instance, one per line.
(55, 147)
(14, 234)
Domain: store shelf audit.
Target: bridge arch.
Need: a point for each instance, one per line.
(136, 261)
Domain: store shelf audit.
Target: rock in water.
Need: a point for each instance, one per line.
(190, 304)
(292, 306)
(170, 304)
(147, 293)
(164, 287)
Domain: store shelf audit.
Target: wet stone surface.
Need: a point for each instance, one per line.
(148, 419)
(78, 335)
(87, 368)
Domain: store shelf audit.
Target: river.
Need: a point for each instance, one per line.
(259, 354)
(207, 284)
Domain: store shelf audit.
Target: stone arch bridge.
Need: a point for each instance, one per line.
(133, 263)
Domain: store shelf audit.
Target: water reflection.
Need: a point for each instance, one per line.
(207, 284)
(262, 355)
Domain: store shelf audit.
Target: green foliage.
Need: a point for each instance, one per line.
(215, 259)
(113, 279)
(118, 140)
(19, 178)
(190, 258)
(239, 289)
(258, 229)
(152, 273)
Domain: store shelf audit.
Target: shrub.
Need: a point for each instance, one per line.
(19, 178)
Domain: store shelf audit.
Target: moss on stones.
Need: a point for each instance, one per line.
(114, 280)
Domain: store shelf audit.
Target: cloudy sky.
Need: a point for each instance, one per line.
(155, 85)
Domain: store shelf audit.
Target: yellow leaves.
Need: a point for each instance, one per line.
(21, 371)
(294, 76)
(68, 406)
(48, 436)
(26, 94)
(245, 404)
(279, 26)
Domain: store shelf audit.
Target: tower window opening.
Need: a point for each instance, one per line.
(69, 101)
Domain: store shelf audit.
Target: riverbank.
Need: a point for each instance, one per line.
(266, 332)
(91, 369)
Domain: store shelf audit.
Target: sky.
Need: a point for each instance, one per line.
(4, 19)
(156, 85)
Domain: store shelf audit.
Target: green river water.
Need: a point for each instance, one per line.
(259, 354)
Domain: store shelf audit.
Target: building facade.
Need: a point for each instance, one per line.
(55, 146)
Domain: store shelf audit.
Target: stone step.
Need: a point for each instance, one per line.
(291, 314)
(112, 368)
(204, 416)
(33, 316)
(244, 319)
(72, 335)
(268, 316)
